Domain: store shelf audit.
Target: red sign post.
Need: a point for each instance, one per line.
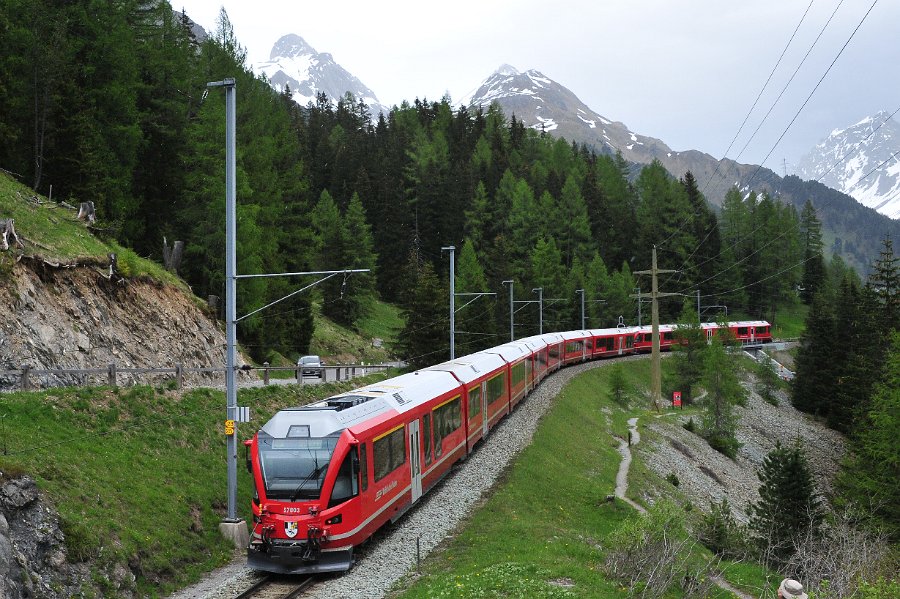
(676, 399)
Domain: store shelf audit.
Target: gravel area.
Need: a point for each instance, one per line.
(434, 518)
(706, 476)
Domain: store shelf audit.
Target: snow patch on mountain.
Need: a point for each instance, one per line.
(294, 64)
(862, 161)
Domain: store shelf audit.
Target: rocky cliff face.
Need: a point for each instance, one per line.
(71, 318)
(33, 561)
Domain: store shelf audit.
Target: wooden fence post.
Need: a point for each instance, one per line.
(111, 374)
(179, 376)
(26, 383)
(265, 373)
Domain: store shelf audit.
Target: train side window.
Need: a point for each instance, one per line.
(363, 466)
(518, 373)
(346, 484)
(426, 433)
(742, 330)
(447, 418)
(389, 452)
(474, 401)
(495, 387)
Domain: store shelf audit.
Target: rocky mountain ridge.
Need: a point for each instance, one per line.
(297, 66)
(862, 161)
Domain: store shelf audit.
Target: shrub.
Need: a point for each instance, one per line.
(673, 479)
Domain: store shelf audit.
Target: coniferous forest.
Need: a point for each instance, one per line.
(107, 102)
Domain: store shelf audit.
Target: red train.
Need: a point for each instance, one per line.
(328, 475)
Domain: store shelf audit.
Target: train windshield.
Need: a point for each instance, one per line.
(294, 469)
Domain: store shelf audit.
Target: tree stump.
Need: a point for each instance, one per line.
(172, 256)
(7, 233)
(86, 212)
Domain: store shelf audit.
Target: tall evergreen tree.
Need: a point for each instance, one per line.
(789, 505)
(870, 475)
(425, 337)
(885, 279)
(815, 376)
(814, 263)
(688, 353)
(476, 323)
(720, 379)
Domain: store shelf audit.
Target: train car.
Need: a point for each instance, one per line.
(519, 364)
(607, 343)
(746, 332)
(540, 355)
(478, 372)
(575, 347)
(643, 338)
(328, 475)
(555, 344)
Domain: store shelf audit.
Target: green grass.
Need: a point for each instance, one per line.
(138, 475)
(547, 521)
(51, 232)
(790, 321)
(339, 344)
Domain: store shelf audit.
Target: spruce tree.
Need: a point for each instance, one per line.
(870, 475)
(724, 390)
(815, 375)
(885, 279)
(425, 337)
(789, 507)
(814, 263)
(687, 354)
(476, 327)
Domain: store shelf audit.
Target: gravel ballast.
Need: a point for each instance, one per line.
(436, 516)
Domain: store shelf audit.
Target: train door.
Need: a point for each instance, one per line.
(415, 465)
(752, 334)
(484, 409)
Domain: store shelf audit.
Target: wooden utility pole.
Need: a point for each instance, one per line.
(655, 362)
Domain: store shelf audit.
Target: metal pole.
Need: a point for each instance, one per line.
(452, 250)
(540, 292)
(512, 330)
(230, 288)
(581, 291)
(638, 289)
(700, 320)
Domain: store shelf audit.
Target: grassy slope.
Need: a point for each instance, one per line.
(139, 475)
(51, 232)
(336, 343)
(548, 520)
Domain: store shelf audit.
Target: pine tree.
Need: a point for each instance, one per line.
(789, 507)
(814, 263)
(475, 322)
(870, 475)
(425, 337)
(885, 279)
(724, 390)
(815, 377)
(688, 353)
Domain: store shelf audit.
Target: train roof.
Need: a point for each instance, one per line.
(336, 413)
(535, 342)
(511, 351)
(471, 367)
(570, 335)
(738, 323)
(613, 331)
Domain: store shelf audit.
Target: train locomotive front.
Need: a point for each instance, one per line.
(305, 467)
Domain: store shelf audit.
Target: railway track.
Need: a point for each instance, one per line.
(277, 587)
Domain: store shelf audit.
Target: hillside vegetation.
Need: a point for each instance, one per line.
(138, 474)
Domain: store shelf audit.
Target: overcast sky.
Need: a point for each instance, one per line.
(685, 72)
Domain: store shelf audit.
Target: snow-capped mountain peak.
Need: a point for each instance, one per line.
(861, 161)
(295, 64)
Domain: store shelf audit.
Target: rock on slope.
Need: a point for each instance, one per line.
(706, 476)
(77, 318)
